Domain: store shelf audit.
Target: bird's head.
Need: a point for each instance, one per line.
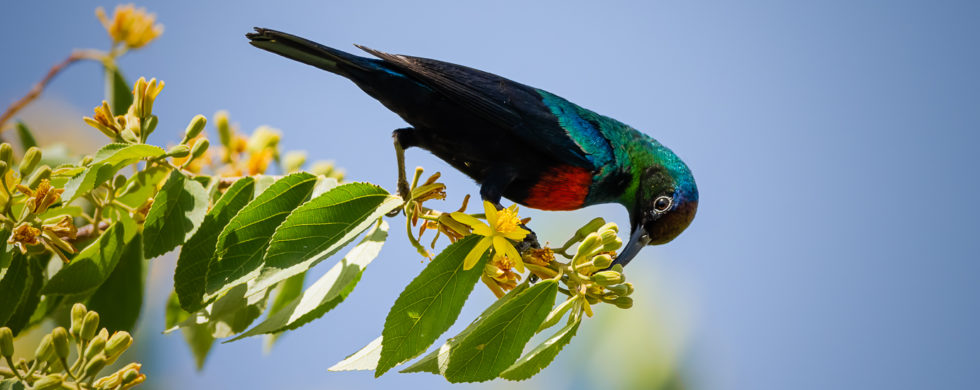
(666, 200)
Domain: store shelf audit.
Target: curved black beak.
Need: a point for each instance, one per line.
(638, 240)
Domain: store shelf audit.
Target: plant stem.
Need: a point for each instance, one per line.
(13, 369)
(35, 91)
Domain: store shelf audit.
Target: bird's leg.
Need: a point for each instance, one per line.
(403, 138)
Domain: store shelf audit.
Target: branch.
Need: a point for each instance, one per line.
(35, 92)
(88, 231)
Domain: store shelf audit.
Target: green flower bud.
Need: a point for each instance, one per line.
(7, 153)
(85, 161)
(194, 128)
(6, 342)
(611, 226)
(41, 174)
(90, 325)
(612, 245)
(617, 268)
(93, 366)
(199, 148)
(224, 128)
(179, 151)
(31, 158)
(50, 382)
(602, 261)
(77, 317)
(589, 246)
(607, 235)
(623, 302)
(623, 289)
(118, 343)
(293, 161)
(44, 350)
(96, 346)
(606, 278)
(59, 337)
(3, 167)
(129, 375)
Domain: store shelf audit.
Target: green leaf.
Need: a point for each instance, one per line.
(11, 384)
(498, 341)
(175, 215)
(542, 355)
(244, 240)
(230, 314)
(327, 292)
(29, 300)
(321, 227)
(286, 293)
(93, 265)
(142, 186)
(27, 140)
(364, 359)
(435, 362)
(118, 92)
(13, 284)
(119, 300)
(429, 304)
(198, 336)
(106, 162)
(198, 251)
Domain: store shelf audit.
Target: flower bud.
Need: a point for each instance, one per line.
(3, 167)
(293, 161)
(77, 317)
(90, 325)
(59, 337)
(129, 376)
(199, 148)
(50, 382)
(601, 261)
(179, 151)
(612, 245)
(606, 278)
(617, 268)
(7, 153)
(622, 289)
(224, 128)
(44, 350)
(194, 128)
(589, 245)
(31, 158)
(623, 302)
(607, 235)
(93, 366)
(118, 343)
(85, 161)
(96, 346)
(6, 342)
(41, 174)
(611, 226)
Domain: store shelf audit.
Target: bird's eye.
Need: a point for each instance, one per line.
(662, 203)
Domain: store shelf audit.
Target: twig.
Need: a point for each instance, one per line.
(35, 92)
(88, 231)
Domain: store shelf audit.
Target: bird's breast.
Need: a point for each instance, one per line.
(560, 188)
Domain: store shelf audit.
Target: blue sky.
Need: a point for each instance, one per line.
(833, 142)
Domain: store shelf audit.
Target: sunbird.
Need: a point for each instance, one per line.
(519, 142)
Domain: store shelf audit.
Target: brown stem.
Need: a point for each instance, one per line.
(35, 92)
(88, 231)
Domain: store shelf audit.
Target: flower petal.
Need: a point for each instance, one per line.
(478, 226)
(491, 211)
(517, 235)
(504, 247)
(474, 256)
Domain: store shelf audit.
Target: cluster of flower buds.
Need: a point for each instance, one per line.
(137, 123)
(96, 350)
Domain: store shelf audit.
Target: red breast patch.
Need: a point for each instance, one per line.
(560, 188)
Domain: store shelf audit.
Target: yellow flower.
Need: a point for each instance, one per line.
(104, 121)
(42, 197)
(504, 226)
(23, 235)
(130, 25)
